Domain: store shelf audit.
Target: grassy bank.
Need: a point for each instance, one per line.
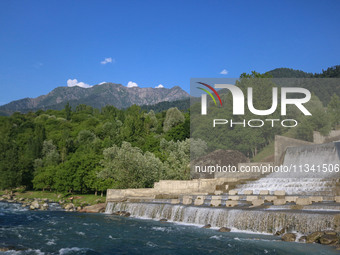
(78, 200)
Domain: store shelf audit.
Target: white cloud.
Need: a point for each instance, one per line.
(74, 82)
(132, 84)
(224, 72)
(160, 86)
(106, 60)
(103, 82)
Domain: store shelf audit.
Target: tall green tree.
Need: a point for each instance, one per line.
(129, 167)
(173, 118)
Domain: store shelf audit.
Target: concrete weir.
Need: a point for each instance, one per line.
(323, 180)
(261, 221)
(302, 202)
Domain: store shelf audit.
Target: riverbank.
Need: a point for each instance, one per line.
(40, 200)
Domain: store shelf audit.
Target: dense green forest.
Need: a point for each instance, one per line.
(182, 105)
(331, 72)
(323, 92)
(87, 150)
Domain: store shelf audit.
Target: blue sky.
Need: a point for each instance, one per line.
(44, 44)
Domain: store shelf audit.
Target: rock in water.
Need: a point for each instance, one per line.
(328, 239)
(163, 220)
(289, 237)
(69, 207)
(330, 232)
(207, 226)
(282, 231)
(45, 206)
(314, 237)
(302, 239)
(35, 205)
(224, 229)
(98, 208)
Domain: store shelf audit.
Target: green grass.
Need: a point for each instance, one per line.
(266, 152)
(291, 133)
(38, 194)
(269, 149)
(88, 199)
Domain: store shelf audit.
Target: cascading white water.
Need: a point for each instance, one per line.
(292, 186)
(302, 182)
(245, 220)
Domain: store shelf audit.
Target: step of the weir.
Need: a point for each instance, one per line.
(263, 218)
(247, 200)
(237, 200)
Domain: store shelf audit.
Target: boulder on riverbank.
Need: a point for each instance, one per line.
(122, 213)
(314, 237)
(280, 232)
(98, 208)
(289, 237)
(224, 229)
(69, 207)
(34, 205)
(329, 239)
(302, 239)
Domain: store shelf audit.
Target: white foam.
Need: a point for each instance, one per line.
(151, 244)
(161, 229)
(216, 237)
(51, 242)
(64, 251)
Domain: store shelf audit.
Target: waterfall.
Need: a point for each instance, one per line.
(243, 220)
(302, 182)
(292, 186)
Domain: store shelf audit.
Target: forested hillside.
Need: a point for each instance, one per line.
(83, 149)
(324, 92)
(182, 105)
(87, 150)
(331, 72)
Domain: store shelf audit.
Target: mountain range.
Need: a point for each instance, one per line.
(96, 96)
(158, 99)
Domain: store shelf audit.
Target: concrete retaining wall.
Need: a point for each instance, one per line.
(281, 144)
(173, 187)
(191, 186)
(117, 194)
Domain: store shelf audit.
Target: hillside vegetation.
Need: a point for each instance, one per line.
(81, 149)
